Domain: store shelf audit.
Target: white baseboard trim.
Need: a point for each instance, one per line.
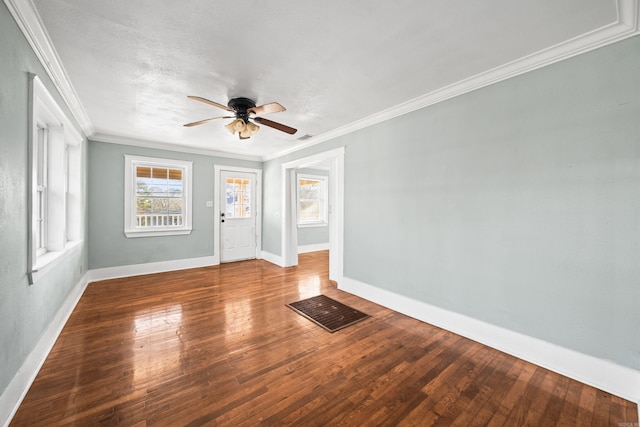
(12, 397)
(602, 374)
(273, 259)
(150, 268)
(313, 248)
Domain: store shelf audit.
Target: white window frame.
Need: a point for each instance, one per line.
(324, 209)
(56, 204)
(40, 199)
(130, 229)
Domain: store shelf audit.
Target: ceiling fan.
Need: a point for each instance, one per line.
(244, 112)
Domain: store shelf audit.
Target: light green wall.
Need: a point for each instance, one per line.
(313, 235)
(108, 246)
(517, 204)
(272, 207)
(25, 311)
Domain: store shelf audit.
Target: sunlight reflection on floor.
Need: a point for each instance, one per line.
(154, 331)
(310, 286)
(238, 318)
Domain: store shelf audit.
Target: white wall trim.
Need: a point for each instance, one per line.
(627, 25)
(13, 395)
(273, 259)
(603, 374)
(313, 248)
(150, 268)
(25, 15)
(123, 140)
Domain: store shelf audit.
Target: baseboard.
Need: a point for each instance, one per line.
(150, 268)
(12, 397)
(273, 259)
(313, 248)
(602, 374)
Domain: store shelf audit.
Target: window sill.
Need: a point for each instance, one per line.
(157, 232)
(47, 261)
(313, 224)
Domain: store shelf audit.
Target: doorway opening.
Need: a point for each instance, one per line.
(333, 161)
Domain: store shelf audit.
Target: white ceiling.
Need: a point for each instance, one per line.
(331, 63)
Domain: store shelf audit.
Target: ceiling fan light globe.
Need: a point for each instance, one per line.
(245, 134)
(252, 128)
(231, 127)
(239, 125)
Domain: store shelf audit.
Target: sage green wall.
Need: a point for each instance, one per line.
(108, 245)
(517, 204)
(272, 207)
(313, 235)
(25, 311)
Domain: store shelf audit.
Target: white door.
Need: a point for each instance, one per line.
(237, 216)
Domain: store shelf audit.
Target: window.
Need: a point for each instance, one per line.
(56, 202)
(157, 197)
(312, 201)
(40, 200)
(238, 198)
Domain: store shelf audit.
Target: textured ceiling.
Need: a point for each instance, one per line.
(330, 63)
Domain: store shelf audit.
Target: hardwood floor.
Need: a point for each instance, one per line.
(217, 346)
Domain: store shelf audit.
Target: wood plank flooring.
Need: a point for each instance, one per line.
(217, 346)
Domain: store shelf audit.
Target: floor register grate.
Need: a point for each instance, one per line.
(328, 313)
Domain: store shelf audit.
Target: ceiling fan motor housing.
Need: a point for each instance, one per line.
(240, 106)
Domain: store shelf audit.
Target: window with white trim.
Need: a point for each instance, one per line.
(312, 200)
(40, 199)
(157, 196)
(56, 202)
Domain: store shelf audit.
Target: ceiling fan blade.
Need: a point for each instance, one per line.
(272, 107)
(201, 122)
(275, 125)
(206, 101)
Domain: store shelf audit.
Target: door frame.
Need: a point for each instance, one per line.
(217, 169)
(336, 210)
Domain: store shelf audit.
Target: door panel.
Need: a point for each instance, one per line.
(246, 236)
(237, 219)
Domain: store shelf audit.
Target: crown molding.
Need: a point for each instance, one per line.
(624, 27)
(124, 140)
(28, 20)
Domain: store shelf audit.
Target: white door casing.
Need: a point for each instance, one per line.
(336, 210)
(237, 213)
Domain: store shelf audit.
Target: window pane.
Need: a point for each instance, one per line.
(311, 200)
(175, 174)
(40, 202)
(143, 172)
(309, 210)
(159, 173)
(159, 196)
(238, 198)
